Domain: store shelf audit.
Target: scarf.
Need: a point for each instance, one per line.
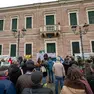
(76, 83)
(3, 77)
(87, 86)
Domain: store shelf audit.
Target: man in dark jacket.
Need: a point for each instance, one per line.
(37, 88)
(24, 81)
(6, 86)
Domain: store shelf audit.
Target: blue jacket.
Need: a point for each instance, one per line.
(8, 87)
(50, 65)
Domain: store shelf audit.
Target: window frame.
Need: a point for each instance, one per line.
(2, 49)
(49, 15)
(15, 17)
(88, 15)
(32, 22)
(50, 42)
(69, 12)
(25, 47)
(79, 46)
(91, 46)
(10, 48)
(3, 24)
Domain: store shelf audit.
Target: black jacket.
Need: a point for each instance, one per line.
(40, 90)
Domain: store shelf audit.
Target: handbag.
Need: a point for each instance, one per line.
(43, 69)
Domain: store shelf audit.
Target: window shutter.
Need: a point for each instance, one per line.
(50, 20)
(1, 25)
(51, 48)
(0, 49)
(92, 46)
(14, 24)
(91, 17)
(29, 22)
(73, 19)
(13, 50)
(75, 47)
(28, 49)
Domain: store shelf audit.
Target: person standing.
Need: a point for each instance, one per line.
(6, 86)
(50, 65)
(14, 72)
(10, 60)
(43, 68)
(24, 81)
(38, 64)
(59, 73)
(67, 63)
(37, 87)
(75, 83)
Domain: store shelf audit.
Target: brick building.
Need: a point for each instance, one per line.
(48, 28)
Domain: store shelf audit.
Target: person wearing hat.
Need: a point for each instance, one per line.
(37, 88)
(24, 81)
(59, 73)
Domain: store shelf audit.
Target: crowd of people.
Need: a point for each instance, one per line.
(29, 77)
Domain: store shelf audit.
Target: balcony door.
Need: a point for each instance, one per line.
(50, 22)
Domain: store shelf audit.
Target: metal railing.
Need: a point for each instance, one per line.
(50, 28)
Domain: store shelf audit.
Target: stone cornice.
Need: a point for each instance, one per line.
(41, 5)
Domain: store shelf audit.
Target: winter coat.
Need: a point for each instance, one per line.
(24, 81)
(8, 87)
(50, 65)
(37, 91)
(69, 90)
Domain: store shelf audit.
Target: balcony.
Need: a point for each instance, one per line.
(50, 31)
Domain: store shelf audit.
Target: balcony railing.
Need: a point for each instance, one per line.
(50, 30)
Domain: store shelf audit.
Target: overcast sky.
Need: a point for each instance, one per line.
(9, 3)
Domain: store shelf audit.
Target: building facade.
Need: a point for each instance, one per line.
(48, 28)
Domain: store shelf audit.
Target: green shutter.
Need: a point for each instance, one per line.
(51, 48)
(13, 50)
(91, 17)
(29, 22)
(1, 25)
(92, 46)
(73, 19)
(75, 47)
(14, 24)
(0, 49)
(50, 20)
(28, 49)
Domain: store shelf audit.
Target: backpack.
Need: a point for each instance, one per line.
(37, 91)
(27, 91)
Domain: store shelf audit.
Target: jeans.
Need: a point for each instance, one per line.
(51, 76)
(57, 80)
(44, 80)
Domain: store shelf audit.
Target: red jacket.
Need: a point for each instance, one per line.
(10, 61)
